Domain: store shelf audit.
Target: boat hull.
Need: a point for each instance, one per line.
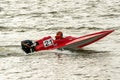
(87, 39)
(70, 42)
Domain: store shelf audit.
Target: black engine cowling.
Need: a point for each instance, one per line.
(27, 46)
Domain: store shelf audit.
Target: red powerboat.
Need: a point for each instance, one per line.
(69, 42)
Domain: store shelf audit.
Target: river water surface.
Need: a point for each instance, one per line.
(34, 19)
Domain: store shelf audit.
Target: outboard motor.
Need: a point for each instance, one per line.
(27, 46)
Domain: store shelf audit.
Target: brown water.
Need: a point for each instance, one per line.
(34, 19)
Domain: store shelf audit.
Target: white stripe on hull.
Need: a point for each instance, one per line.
(83, 42)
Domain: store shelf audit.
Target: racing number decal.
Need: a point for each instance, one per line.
(48, 42)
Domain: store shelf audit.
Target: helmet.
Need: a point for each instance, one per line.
(60, 33)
